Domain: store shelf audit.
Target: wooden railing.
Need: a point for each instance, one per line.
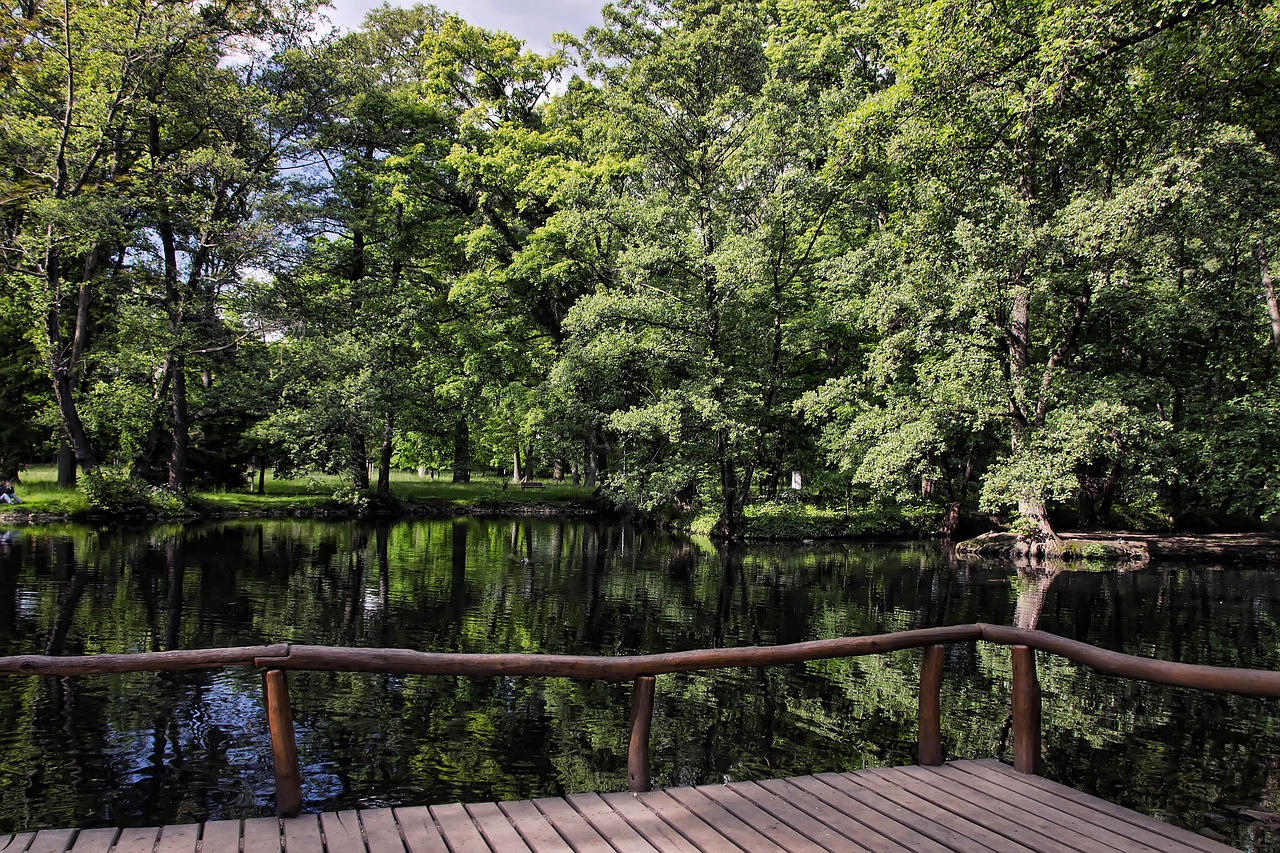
(642, 670)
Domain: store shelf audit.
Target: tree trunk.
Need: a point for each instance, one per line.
(1269, 290)
(66, 464)
(515, 464)
(462, 451)
(181, 427)
(384, 458)
(262, 476)
(359, 459)
(589, 467)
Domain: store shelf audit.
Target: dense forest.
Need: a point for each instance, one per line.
(970, 256)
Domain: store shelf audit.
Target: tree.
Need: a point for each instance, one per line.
(1025, 161)
(717, 217)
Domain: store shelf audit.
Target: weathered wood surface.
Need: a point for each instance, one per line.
(960, 807)
(1246, 682)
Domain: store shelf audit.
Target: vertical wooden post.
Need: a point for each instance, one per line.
(284, 747)
(930, 753)
(1026, 711)
(641, 721)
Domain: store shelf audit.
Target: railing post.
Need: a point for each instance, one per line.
(1026, 710)
(930, 752)
(641, 721)
(284, 747)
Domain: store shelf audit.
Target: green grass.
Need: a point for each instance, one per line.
(40, 493)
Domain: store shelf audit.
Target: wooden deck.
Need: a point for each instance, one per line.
(961, 807)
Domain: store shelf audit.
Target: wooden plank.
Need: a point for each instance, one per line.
(496, 829)
(882, 816)
(261, 835)
(859, 835)
(178, 839)
(1110, 824)
(1027, 830)
(220, 836)
(573, 828)
(533, 827)
(421, 835)
(715, 815)
(137, 840)
(956, 832)
(773, 823)
(302, 834)
(1042, 809)
(52, 841)
(381, 831)
(777, 806)
(459, 832)
(701, 834)
(611, 825)
(666, 836)
(95, 840)
(341, 832)
(1198, 842)
(16, 843)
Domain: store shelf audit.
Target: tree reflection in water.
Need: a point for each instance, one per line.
(144, 749)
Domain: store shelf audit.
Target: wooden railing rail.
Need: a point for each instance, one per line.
(641, 669)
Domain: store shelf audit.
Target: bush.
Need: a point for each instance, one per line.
(116, 493)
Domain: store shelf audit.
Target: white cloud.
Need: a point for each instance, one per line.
(533, 21)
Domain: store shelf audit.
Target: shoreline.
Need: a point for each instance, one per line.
(1118, 547)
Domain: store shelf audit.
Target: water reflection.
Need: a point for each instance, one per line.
(140, 749)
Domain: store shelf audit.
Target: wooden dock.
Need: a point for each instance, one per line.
(960, 807)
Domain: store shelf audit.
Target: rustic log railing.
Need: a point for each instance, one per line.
(642, 669)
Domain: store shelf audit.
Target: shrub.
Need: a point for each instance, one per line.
(116, 493)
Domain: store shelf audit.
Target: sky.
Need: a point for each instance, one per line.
(534, 21)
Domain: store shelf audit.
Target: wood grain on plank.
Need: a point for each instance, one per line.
(573, 827)
(769, 824)
(884, 820)
(261, 835)
(178, 839)
(670, 836)
(533, 827)
(137, 840)
(860, 835)
(1197, 842)
(1074, 826)
(459, 832)
(690, 825)
(302, 834)
(421, 835)
(95, 840)
(16, 843)
(496, 829)
(220, 836)
(725, 822)
(342, 832)
(611, 825)
(776, 804)
(380, 831)
(52, 841)
(1019, 827)
(957, 833)
(1111, 824)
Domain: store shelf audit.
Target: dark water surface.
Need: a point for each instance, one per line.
(147, 749)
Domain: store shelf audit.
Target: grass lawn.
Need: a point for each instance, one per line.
(40, 493)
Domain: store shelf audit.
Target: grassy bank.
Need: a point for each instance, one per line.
(316, 494)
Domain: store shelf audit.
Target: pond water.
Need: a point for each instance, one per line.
(145, 749)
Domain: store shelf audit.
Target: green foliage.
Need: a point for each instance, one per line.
(114, 492)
